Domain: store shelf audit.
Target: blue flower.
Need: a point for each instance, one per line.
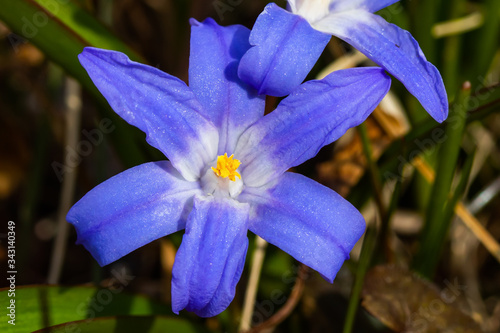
(286, 46)
(227, 167)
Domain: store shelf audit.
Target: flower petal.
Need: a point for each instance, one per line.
(315, 10)
(132, 209)
(284, 49)
(307, 220)
(293, 4)
(311, 10)
(394, 49)
(314, 115)
(229, 103)
(369, 5)
(211, 257)
(159, 104)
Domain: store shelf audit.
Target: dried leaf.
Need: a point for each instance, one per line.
(348, 162)
(406, 303)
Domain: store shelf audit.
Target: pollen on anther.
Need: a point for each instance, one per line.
(226, 167)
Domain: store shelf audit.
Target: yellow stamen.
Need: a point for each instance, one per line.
(226, 167)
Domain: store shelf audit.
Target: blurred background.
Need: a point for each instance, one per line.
(429, 261)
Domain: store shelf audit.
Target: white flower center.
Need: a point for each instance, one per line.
(221, 178)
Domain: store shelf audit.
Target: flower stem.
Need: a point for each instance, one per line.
(253, 283)
(288, 307)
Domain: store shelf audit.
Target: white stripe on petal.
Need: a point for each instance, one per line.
(315, 10)
(369, 5)
(311, 10)
(293, 5)
(202, 149)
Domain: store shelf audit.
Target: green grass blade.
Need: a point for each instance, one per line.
(424, 136)
(372, 169)
(426, 15)
(452, 56)
(487, 37)
(436, 226)
(84, 26)
(61, 32)
(461, 187)
(365, 259)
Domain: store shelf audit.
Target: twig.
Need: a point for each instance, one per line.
(290, 304)
(373, 171)
(72, 101)
(458, 26)
(463, 213)
(253, 283)
(485, 197)
(478, 230)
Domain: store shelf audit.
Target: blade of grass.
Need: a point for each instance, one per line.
(376, 180)
(464, 214)
(459, 190)
(384, 243)
(75, 19)
(61, 32)
(427, 14)
(451, 52)
(370, 240)
(484, 102)
(487, 38)
(372, 169)
(422, 137)
(424, 15)
(365, 259)
(436, 227)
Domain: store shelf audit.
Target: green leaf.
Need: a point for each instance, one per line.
(127, 324)
(80, 23)
(37, 307)
(61, 29)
